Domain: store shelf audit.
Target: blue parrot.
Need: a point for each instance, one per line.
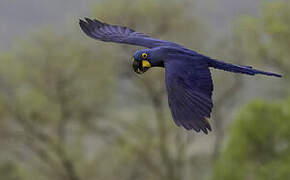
(187, 75)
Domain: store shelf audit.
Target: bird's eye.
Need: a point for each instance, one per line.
(144, 55)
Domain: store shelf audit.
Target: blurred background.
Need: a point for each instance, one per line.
(71, 108)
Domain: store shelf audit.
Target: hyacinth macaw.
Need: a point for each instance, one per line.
(187, 74)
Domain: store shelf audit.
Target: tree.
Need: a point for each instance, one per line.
(47, 109)
(261, 40)
(9, 171)
(56, 97)
(160, 151)
(266, 38)
(73, 109)
(258, 146)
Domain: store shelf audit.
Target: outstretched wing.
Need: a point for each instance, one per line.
(189, 86)
(119, 34)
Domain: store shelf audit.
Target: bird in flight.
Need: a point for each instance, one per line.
(187, 74)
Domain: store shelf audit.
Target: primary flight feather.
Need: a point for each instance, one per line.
(187, 75)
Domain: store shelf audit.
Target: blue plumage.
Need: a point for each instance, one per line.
(187, 75)
(238, 69)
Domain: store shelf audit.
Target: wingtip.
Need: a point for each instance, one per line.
(204, 130)
(81, 21)
(85, 20)
(89, 21)
(207, 124)
(82, 24)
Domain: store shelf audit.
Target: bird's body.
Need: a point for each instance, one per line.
(187, 75)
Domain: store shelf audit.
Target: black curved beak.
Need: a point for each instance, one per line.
(140, 67)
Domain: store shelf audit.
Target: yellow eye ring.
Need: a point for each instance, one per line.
(144, 55)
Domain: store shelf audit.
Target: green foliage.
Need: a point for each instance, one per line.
(64, 113)
(54, 90)
(41, 71)
(60, 104)
(266, 38)
(9, 171)
(159, 151)
(258, 146)
(170, 19)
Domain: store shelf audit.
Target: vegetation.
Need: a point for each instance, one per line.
(47, 107)
(267, 37)
(71, 108)
(258, 145)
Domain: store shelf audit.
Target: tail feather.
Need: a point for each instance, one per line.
(238, 69)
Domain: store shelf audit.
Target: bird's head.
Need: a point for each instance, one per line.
(145, 59)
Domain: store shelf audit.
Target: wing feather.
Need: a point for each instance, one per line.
(120, 34)
(189, 86)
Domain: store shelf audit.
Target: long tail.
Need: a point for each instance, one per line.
(238, 69)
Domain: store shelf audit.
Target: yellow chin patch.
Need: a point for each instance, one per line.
(146, 64)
